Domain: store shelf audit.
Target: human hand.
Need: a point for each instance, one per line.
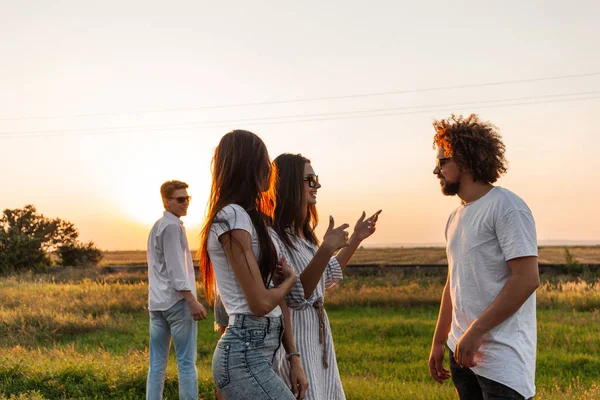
(467, 347)
(365, 227)
(335, 238)
(283, 272)
(436, 363)
(198, 310)
(298, 378)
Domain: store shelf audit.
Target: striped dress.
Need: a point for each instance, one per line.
(318, 360)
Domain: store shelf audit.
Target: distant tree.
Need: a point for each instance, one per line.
(80, 254)
(28, 239)
(51, 233)
(570, 260)
(21, 252)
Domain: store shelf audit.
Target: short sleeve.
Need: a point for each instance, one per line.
(333, 273)
(516, 234)
(232, 217)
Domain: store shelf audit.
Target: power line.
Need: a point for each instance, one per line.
(285, 117)
(161, 128)
(310, 99)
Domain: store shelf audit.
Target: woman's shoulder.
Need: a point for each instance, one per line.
(232, 211)
(232, 216)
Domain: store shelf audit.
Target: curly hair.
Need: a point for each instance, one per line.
(473, 144)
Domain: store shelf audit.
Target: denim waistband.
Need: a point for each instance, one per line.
(247, 321)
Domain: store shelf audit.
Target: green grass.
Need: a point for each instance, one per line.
(85, 338)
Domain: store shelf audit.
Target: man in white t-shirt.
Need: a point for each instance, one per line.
(172, 301)
(487, 315)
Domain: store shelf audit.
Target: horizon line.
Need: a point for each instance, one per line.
(417, 245)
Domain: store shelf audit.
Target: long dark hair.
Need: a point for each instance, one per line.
(241, 174)
(292, 213)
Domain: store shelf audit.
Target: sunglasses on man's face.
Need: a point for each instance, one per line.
(439, 162)
(313, 180)
(182, 199)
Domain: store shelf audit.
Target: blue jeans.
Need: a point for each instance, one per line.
(242, 363)
(475, 387)
(176, 322)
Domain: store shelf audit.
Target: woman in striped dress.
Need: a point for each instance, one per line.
(317, 268)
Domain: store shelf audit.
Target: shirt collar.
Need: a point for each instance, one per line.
(170, 215)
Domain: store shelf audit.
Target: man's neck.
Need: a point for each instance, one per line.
(172, 213)
(472, 191)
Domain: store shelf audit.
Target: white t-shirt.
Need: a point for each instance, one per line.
(229, 218)
(480, 238)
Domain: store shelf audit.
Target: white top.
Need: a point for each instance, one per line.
(481, 237)
(170, 267)
(229, 218)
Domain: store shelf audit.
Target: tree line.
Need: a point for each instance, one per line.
(31, 241)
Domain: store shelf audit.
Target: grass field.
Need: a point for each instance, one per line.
(396, 255)
(83, 335)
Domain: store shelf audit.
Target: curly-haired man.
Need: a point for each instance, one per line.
(487, 314)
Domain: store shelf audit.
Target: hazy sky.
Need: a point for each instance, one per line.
(100, 102)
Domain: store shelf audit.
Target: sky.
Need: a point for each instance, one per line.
(101, 102)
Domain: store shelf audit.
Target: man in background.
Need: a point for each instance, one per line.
(174, 309)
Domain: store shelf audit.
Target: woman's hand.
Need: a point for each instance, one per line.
(283, 272)
(365, 227)
(297, 378)
(335, 238)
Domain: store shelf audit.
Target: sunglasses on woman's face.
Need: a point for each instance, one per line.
(313, 180)
(182, 199)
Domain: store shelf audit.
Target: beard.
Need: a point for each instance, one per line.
(449, 188)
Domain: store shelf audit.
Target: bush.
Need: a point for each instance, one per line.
(29, 239)
(21, 252)
(79, 254)
(570, 261)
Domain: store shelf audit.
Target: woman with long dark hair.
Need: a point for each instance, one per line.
(294, 236)
(237, 251)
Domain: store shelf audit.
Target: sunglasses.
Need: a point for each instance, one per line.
(439, 162)
(182, 199)
(313, 180)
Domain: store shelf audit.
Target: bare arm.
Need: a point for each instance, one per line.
(288, 342)
(444, 322)
(311, 275)
(523, 283)
(297, 376)
(442, 329)
(333, 240)
(518, 288)
(238, 249)
(347, 252)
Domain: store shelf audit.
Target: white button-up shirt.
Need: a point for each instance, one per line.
(170, 267)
